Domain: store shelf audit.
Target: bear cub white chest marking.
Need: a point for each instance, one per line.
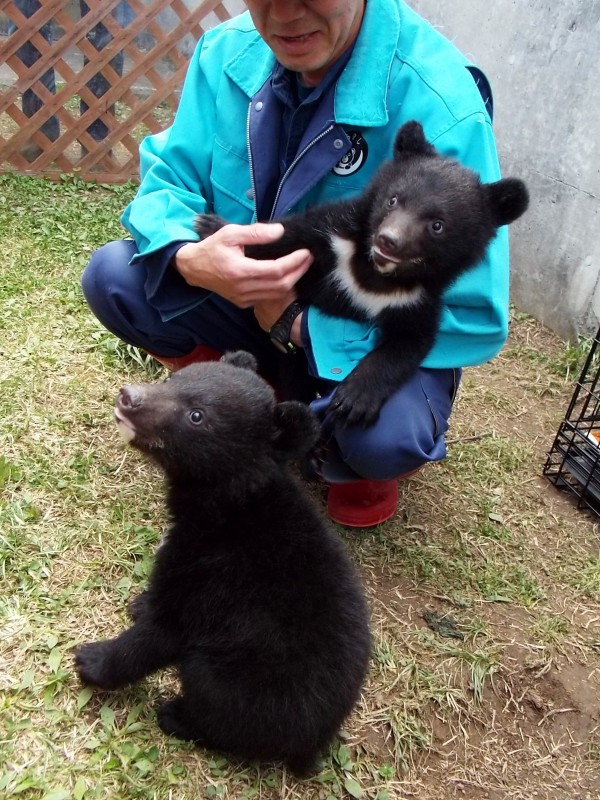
(370, 304)
(388, 255)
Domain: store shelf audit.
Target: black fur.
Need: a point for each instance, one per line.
(252, 596)
(423, 221)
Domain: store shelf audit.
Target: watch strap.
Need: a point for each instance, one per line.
(281, 330)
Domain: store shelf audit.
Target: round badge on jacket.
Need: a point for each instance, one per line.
(355, 157)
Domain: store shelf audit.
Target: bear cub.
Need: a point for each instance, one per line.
(252, 596)
(389, 254)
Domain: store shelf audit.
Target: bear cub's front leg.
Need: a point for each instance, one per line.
(138, 605)
(136, 653)
(95, 665)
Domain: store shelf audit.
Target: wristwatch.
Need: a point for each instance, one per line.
(280, 332)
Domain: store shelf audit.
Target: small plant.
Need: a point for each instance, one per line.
(587, 579)
(551, 629)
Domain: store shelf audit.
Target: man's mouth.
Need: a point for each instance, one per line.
(296, 42)
(303, 37)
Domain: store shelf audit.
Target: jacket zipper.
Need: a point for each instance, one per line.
(294, 162)
(252, 181)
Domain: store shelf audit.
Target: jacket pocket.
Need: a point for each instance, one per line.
(232, 186)
(359, 339)
(440, 387)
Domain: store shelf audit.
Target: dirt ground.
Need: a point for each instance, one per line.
(534, 731)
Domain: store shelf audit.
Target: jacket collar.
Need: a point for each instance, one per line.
(361, 92)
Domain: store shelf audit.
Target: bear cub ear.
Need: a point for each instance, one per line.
(410, 141)
(508, 199)
(242, 359)
(295, 429)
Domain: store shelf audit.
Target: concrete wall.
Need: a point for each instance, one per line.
(543, 60)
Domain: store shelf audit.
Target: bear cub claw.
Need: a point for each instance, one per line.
(169, 718)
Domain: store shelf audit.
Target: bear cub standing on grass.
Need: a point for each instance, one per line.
(389, 254)
(252, 596)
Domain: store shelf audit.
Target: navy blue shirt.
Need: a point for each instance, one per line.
(298, 104)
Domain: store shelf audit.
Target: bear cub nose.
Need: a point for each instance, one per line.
(388, 242)
(130, 397)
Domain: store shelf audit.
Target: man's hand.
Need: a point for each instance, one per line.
(218, 263)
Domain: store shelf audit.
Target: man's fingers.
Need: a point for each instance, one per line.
(282, 273)
(298, 261)
(273, 280)
(262, 233)
(257, 233)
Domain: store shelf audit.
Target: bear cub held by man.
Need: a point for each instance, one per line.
(252, 595)
(388, 256)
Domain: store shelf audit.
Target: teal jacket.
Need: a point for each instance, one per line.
(400, 69)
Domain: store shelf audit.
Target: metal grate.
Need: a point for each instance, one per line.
(573, 463)
(81, 83)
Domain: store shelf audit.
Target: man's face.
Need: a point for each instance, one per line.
(307, 36)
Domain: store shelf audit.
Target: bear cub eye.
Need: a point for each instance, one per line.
(196, 416)
(436, 227)
(392, 201)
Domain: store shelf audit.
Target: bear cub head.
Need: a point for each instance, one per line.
(212, 421)
(431, 218)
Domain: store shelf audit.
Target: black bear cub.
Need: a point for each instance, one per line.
(389, 254)
(252, 595)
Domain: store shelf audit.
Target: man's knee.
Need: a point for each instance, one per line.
(114, 291)
(107, 274)
(382, 455)
(409, 432)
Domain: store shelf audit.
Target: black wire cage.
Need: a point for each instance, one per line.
(573, 462)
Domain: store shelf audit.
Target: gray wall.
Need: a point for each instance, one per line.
(543, 60)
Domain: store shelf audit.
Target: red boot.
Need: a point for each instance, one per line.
(200, 353)
(363, 504)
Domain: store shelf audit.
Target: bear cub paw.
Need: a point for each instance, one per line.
(169, 716)
(92, 665)
(207, 224)
(352, 405)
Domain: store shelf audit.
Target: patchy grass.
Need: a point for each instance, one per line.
(484, 589)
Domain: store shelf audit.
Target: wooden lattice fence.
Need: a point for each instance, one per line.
(82, 82)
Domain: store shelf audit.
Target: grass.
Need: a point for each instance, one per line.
(480, 542)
